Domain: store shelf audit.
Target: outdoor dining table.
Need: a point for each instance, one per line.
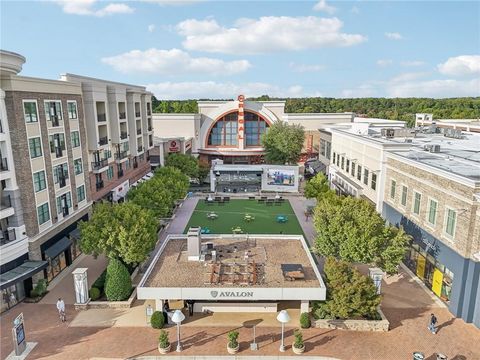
(237, 230)
(282, 219)
(212, 216)
(205, 230)
(249, 217)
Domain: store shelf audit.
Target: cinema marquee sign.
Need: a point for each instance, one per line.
(231, 294)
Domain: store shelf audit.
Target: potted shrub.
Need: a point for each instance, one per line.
(157, 320)
(233, 345)
(163, 342)
(298, 346)
(305, 320)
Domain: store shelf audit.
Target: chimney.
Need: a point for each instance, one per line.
(194, 240)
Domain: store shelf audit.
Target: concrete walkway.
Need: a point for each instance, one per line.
(298, 204)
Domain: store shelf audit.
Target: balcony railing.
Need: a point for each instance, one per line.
(65, 211)
(139, 131)
(99, 185)
(58, 152)
(119, 155)
(55, 120)
(4, 164)
(150, 128)
(99, 164)
(123, 135)
(6, 236)
(62, 181)
(150, 144)
(140, 148)
(103, 140)
(137, 113)
(101, 117)
(120, 173)
(135, 165)
(149, 112)
(122, 115)
(6, 201)
(1, 127)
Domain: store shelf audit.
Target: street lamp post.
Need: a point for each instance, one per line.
(177, 318)
(284, 318)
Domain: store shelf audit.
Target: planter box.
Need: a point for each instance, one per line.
(108, 304)
(358, 325)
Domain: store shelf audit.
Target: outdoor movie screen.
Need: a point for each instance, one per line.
(281, 177)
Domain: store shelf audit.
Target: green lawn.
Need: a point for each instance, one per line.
(232, 215)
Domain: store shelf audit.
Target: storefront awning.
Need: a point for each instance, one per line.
(58, 247)
(20, 273)
(75, 234)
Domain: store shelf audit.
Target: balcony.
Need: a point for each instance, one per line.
(62, 181)
(65, 211)
(97, 165)
(55, 120)
(99, 185)
(6, 236)
(3, 164)
(120, 173)
(119, 155)
(101, 117)
(135, 164)
(140, 148)
(123, 135)
(137, 113)
(122, 115)
(58, 152)
(103, 141)
(139, 131)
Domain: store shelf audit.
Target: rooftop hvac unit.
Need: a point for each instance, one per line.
(388, 133)
(408, 140)
(433, 148)
(453, 133)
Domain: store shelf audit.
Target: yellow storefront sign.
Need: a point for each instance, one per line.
(421, 266)
(437, 282)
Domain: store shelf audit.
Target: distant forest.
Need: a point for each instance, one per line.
(394, 109)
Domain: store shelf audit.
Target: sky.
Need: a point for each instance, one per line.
(220, 49)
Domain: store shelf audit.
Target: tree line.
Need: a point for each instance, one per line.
(384, 108)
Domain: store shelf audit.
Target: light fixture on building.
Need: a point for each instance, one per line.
(284, 318)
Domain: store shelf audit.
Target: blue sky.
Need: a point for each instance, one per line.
(218, 49)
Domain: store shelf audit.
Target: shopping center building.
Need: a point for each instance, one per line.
(233, 273)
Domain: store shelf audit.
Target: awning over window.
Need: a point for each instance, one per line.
(20, 273)
(75, 234)
(58, 247)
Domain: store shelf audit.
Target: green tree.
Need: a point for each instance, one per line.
(174, 180)
(118, 286)
(203, 171)
(121, 231)
(349, 293)
(350, 229)
(283, 143)
(187, 164)
(316, 186)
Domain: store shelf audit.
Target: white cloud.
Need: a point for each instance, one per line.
(355, 10)
(365, 90)
(87, 7)
(461, 65)
(434, 88)
(266, 34)
(323, 6)
(303, 68)
(174, 61)
(384, 62)
(215, 90)
(394, 35)
(173, 2)
(412, 63)
(151, 28)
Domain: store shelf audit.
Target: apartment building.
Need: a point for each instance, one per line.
(433, 191)
(118, 120)
(47, 150)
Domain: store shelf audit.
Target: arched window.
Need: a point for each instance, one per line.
(225, 131)
(255, 126)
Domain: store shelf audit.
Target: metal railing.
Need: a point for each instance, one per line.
(119, 155)
(139, 131)
(120, 173)
(99, 164)
(137, 113)
(123, 135)
(101, 117)
(103, 140)
(150, 128)
(4, 164)
(149, 112)
(6, 236)
(122, 115)
(140, 148)
(99, 185)
(135, 165)
(55, 120)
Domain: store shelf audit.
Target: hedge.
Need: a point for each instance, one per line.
(118, 285)
(157, 320)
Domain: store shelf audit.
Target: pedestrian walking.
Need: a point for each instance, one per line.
(433, 324)
(61, 310)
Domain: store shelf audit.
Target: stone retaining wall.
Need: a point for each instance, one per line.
(358, 325)
(108, 304)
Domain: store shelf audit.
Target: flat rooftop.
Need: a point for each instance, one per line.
(253, 263)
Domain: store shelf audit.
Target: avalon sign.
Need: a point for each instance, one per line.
(231, 294)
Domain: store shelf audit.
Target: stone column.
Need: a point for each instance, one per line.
(304, 306)
(80, 284)
(158, 305)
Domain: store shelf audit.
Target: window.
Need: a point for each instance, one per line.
(80, 193)
(334, 156)
(325, 149)
(35, 145)
(373, 184)
(365, 176)
(75, 139)
(224, 132)
(43, 213)
(57, 144)
(338, 159)
(347, 169)
(353, 169)
(329, 149)
(127, 164)
(110, 173)
(30, 111)
(359, 173)
(416, 202)
(77, 165)
(343, 162)
(60, 174)
(404, 195)
(72, 109)
(64, 201)
(255, 127)
(393, 188)
(53, 111)
(432, 211)
(451, 219)
(39, 181)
